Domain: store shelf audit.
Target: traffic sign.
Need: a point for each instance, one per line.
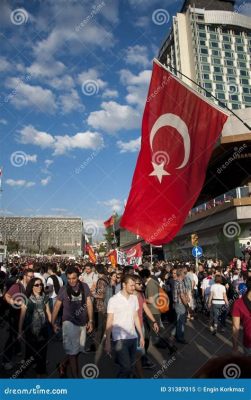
(197, 251)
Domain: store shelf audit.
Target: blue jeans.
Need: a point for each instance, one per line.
(217, 311)
(125, 351)
(181, 314)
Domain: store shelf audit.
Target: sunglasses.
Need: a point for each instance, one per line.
(38, 285)
(139, 283)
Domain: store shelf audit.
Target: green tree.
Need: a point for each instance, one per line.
(53, 250)
(13, 246)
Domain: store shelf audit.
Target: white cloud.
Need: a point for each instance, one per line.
(46, 69)
(70, 102)
(60, 210)
(30, 135)
(61, 144)
(136, 85)
(19, 183)
(137, 55)
(45, 181)
(4, 64)
(66, 82)
(48, 163)
(94, 75)
(25, 95)
(142, 22)
(114, 204)
(131, 146)
(113, 117)
(3, 121)
(110, 93)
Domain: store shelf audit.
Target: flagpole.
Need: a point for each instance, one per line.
(151, 253)
(205, 90)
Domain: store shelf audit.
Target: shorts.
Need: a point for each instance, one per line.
(74, 338)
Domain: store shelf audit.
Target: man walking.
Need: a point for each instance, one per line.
(180, 303)
(75, 298)
(122, 319)
(242, 315)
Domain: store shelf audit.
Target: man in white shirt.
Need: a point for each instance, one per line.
(122, 319)
(89, 277)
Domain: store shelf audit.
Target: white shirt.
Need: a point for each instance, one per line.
(218, 290)
(89, 279)
(206, 285)
(123, 311)
(49, 283)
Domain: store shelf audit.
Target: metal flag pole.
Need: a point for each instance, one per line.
(205, 90)
(151, 254)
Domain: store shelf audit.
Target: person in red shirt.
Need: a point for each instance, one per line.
(242, 315)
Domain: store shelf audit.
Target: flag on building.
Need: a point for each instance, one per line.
(179, 131)
(90, 251)
(109, 222)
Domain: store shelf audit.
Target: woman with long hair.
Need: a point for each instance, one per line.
(33, 325)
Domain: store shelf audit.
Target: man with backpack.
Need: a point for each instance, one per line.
(152, 290)
(75, 299)
(53, 284)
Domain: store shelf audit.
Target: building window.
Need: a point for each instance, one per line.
(242, 64)
(245, 81)
(243, 73)
(214, 44)
(226, 38)
(202, 43)
(206, 68)
(206, 76)
(242, 56)
(229, 54)
(236, 106)
(202, 35)
(204, 51)
(247, 99)
(218, 78)
(234, 97)
(219, 86)
(208, 85)
(229, 63)
(221, 96)
(246, 90)
(239, 40)
(203, 59)
(218, 69)
(230, 71)
(216, 61)
(215, 53)
(213, 37)
(227, 46)
(240, 48)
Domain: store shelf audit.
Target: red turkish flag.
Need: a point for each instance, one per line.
(90, 251)
(179, 131)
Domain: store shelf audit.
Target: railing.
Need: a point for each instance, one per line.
(236, 193)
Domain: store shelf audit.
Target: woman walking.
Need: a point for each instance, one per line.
(217, 302)
(33, 324)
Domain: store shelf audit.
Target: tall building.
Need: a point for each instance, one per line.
(210, 42)
(37, 234)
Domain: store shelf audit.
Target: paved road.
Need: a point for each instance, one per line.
(189, 358)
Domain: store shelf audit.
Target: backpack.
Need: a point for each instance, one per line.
(56, 283)
(162, 302)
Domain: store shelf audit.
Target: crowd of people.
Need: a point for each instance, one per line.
(121, 309)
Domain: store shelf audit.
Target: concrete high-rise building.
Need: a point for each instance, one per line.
(210, 42)
(37, 234)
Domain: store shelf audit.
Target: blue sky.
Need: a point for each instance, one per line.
(74, 77)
